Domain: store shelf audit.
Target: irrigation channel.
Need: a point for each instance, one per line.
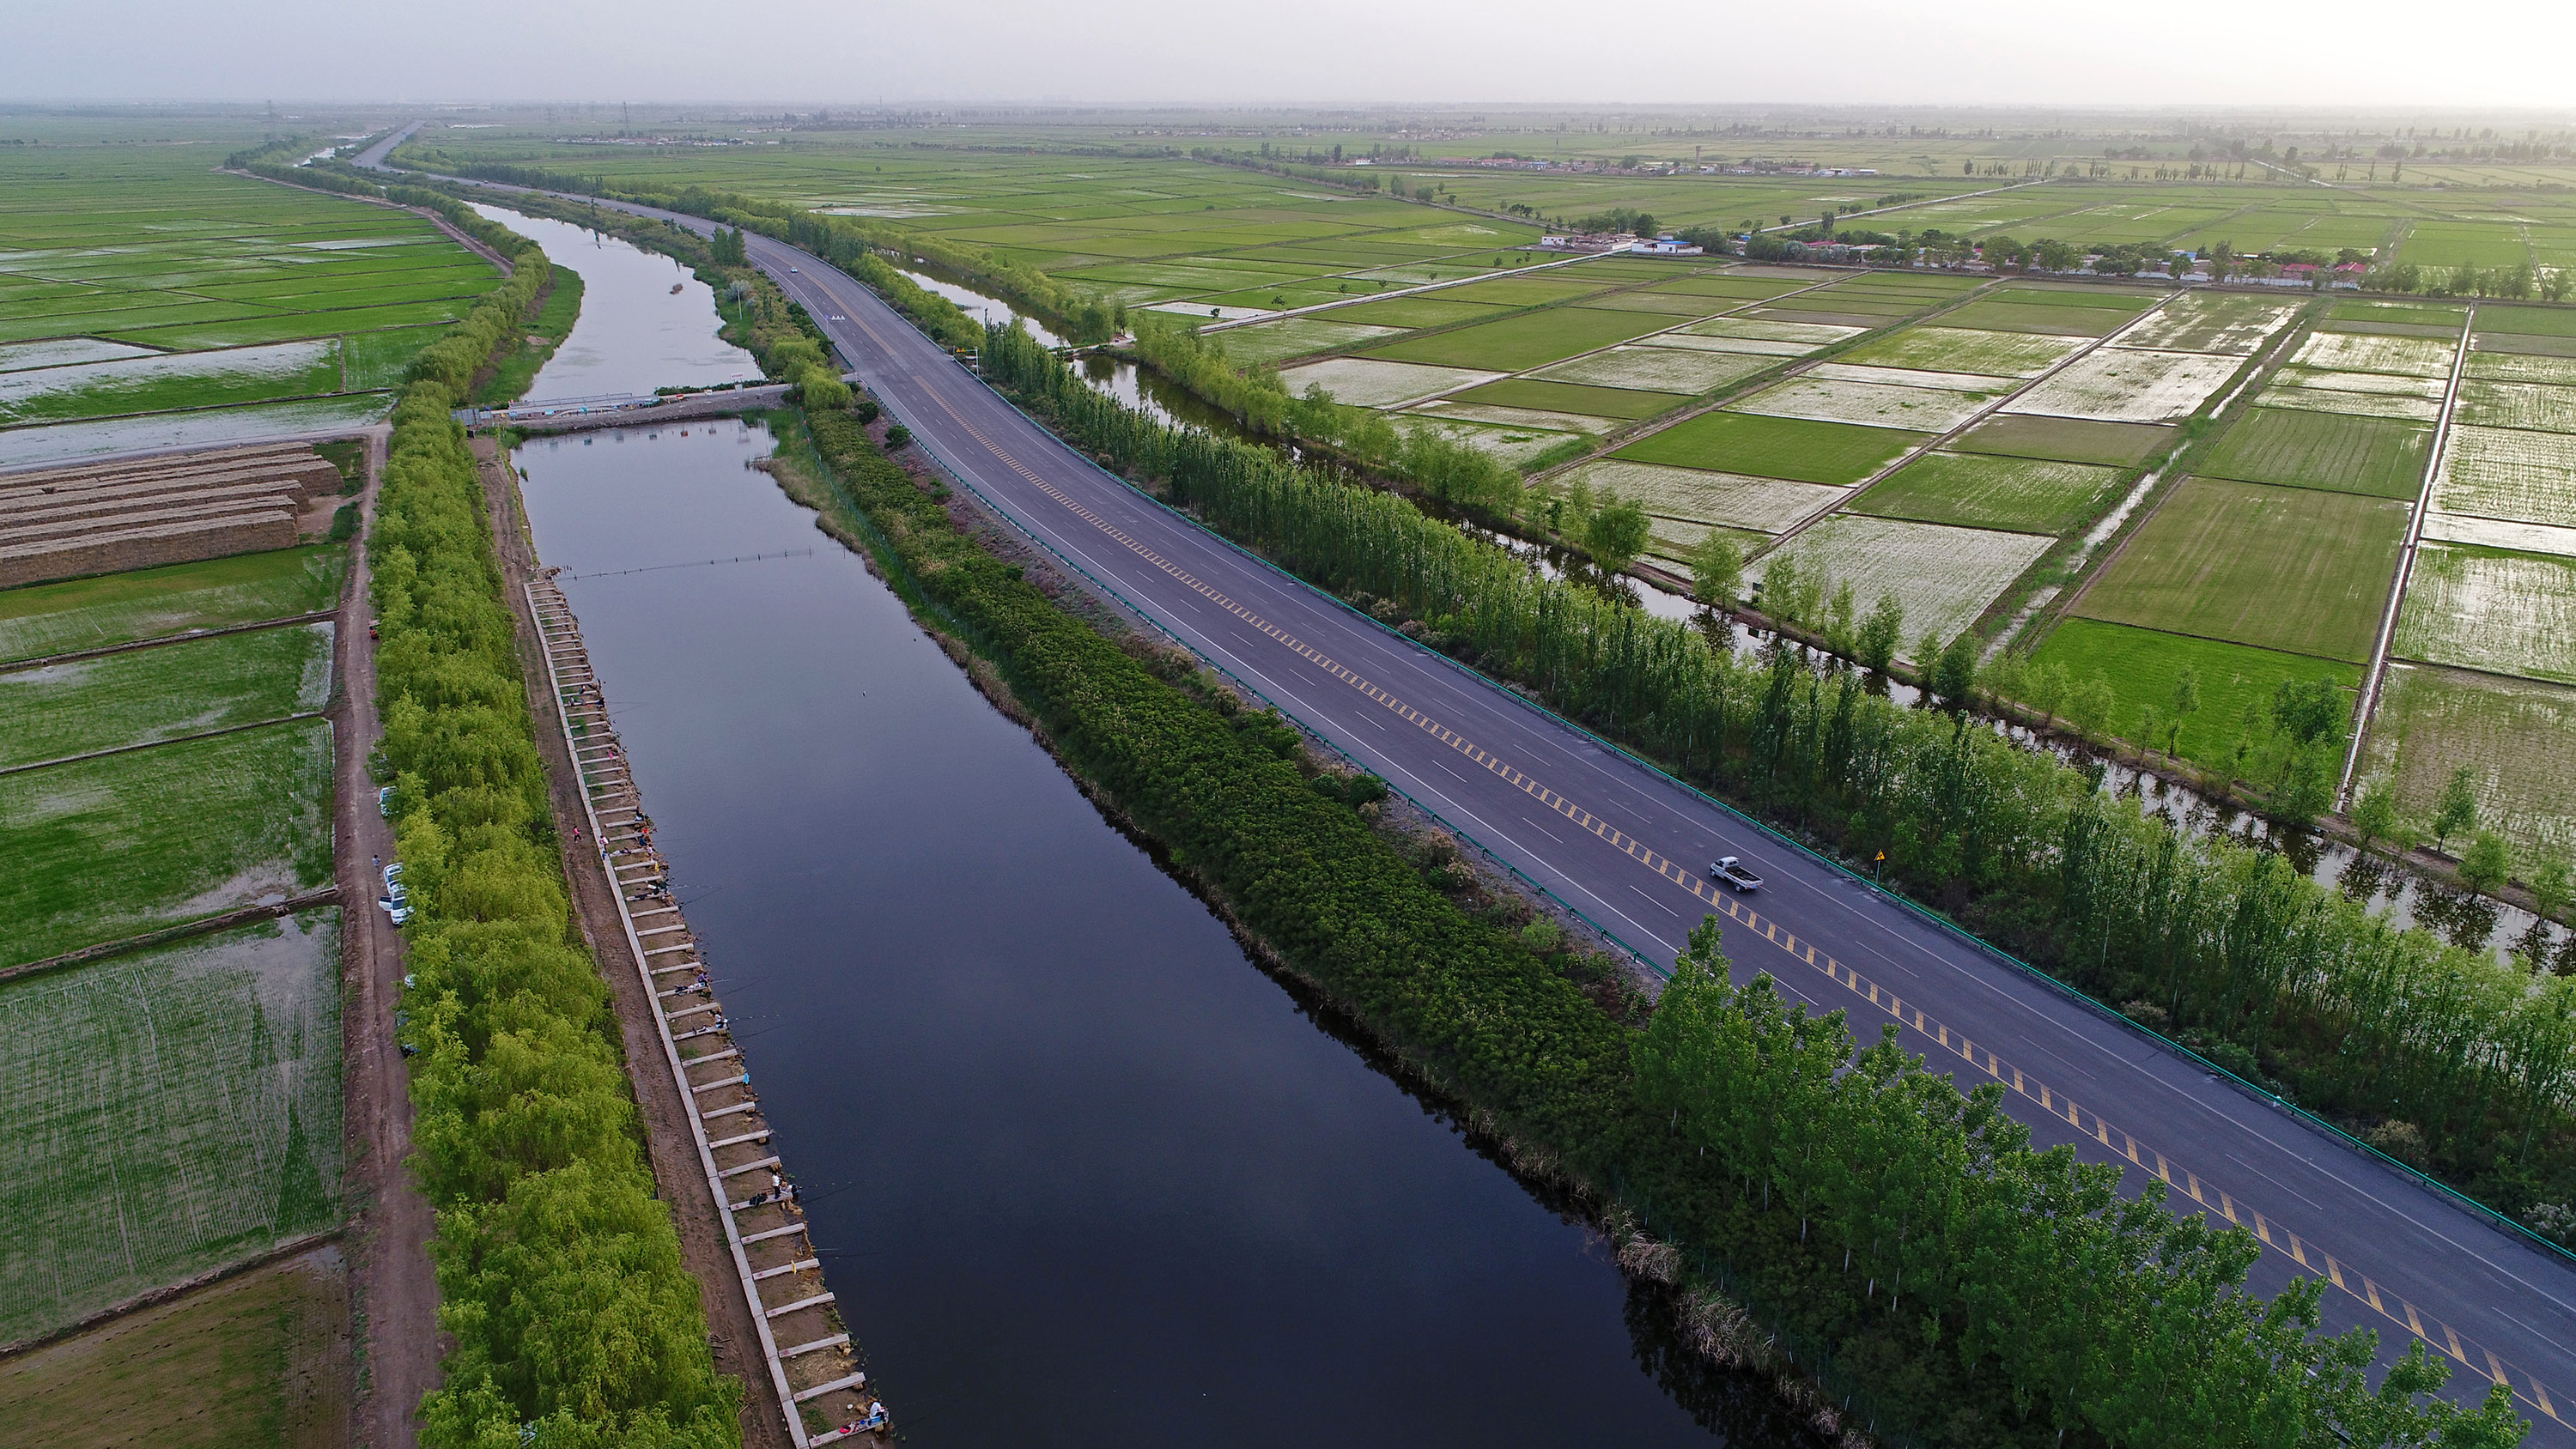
(1078, 1171)
(2465, 918)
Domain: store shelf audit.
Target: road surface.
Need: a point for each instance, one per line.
(1629, 848)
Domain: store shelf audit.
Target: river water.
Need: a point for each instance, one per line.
(634, 333)
(1079, 1171)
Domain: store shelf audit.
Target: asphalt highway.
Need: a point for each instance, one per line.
(1630, 849)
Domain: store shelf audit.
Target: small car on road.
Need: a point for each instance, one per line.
(1732, 871)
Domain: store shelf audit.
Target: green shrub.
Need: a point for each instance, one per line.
(573, 1317)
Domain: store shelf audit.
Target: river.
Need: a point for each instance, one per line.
(645, 321)
(1080, 1172)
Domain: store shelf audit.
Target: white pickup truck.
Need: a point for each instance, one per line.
(1731, 870)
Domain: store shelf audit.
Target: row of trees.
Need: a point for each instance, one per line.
(572, 1317)
(2110, 1315)
(1923, 1330)
(1968, 819)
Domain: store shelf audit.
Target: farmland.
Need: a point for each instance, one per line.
(1981, 491)
(1945, 577)
(1797, 449)
(93, 613)
(171, 1110)
(2514, 735)
(149, 695)
(113, 847)
(2503, 612)
(2141, 666)
(2299, 570)
(141, 282)
(2379, 457)
(2510, 473)
(250, 1360)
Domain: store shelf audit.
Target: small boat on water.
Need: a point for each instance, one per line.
(675, 289)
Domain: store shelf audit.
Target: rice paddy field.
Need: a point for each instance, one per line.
(1944, 576)
(2300, 570)
(146, 696)
(259, 1358)
(170, 1111)
(41, 620)
(106, 848)
(137, 281)
(2141, 666)
(2517, 735)
(2492, 609)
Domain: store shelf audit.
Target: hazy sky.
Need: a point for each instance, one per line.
(2362, 54)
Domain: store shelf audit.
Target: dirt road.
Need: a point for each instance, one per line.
(393, 1292)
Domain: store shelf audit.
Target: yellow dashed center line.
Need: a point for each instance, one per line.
(2405, 1315)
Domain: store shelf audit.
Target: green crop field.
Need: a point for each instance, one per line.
(2522, 367)
(141, 243)
(2533, 321)
(1999, 316)
(169, 1111)
(1764, 447)
(2295, 569)
(1566, 397)
(1531, 339)
(2067, 440)
(179, 380)
(1944, 348)
(2381, 457)
(103, 849)
(377, 359)
(2142, 666)
(1424, 311)
(259, 1358)
(1945, 577)
(2026, 495)
(37, 620)
(1294, 337)
(1558, 285)
(2491, 609)
(150, 695)
(2517, 736)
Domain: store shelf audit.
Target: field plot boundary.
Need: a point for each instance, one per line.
(1990, 408)
(168, 1292)
(1718, 398)
(2368, 705)
(47, 661)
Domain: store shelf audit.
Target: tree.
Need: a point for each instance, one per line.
(2457, 808)
(1954, 670)
(1881, 632)
(1615, 534)
(822, 388)
(2089, 705)
(1717, 569)
(2374, 815)
(2182, 706)
(2045, 691)
(2310, 713)
(2549, 883)
(2487, 864)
